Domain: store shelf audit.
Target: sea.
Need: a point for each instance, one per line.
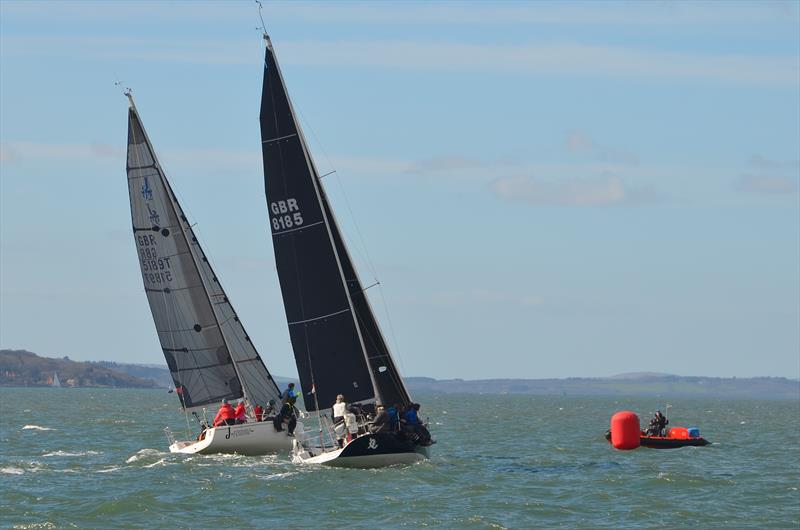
(98, 458)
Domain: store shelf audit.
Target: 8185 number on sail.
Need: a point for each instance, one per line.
(286, 214)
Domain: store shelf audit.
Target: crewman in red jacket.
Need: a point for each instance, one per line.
(241, 415)
(226, 415)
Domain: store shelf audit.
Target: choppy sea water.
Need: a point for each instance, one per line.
(91, 458)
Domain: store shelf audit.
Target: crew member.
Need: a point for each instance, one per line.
(382, 421)
(289, 395)
(240, 413)
(339, 409)
(226, 415)
(286, 415)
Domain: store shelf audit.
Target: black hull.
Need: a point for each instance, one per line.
(659, 442)
(382, 443)
(662, 442)
(367, 451)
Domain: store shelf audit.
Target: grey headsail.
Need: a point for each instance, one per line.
(206, 348)
(337, 344)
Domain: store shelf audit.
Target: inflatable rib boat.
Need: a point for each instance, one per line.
(676, 437)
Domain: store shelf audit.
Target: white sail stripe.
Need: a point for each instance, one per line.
(297, 228)
(278, 138)
(323, 316)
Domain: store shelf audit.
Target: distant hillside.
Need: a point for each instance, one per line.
(161, 376)
(158, 374)
(24, 368)
(644, 384)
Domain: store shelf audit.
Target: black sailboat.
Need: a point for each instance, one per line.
(337, 342)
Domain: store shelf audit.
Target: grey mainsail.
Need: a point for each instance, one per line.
(337, 343)
(209, 354)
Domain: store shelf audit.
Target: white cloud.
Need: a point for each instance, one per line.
(473, 296)
(12, 152)
(768, 185)
(579, 143)
(570, 59)
(770, 177)
(763, 162)
(420, 14)
(533, 13)
(547, 59)
(604, 191)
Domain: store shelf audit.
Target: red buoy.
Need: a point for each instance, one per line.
(625, 430)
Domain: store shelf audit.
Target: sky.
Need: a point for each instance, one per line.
(543, 189)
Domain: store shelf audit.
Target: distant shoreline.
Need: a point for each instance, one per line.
(38, 370)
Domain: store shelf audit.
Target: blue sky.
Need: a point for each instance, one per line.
(543, 189)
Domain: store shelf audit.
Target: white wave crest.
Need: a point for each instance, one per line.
(143, 453)
(11, 471)
(66, 453)
(37, 428)
(154, 464)
(109, 470)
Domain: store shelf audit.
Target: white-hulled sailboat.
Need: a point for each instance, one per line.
(338, 345)
(208, 352)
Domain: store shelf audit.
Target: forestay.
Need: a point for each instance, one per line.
(206, 348)
(337, 345)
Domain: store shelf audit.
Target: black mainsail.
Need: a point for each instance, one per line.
(209, 354)
(337, 343)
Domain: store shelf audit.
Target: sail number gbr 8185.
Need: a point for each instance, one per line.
(155, 269)
(285, 215)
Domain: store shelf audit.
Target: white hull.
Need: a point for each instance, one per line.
(246, 439)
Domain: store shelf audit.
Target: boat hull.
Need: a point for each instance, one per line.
(665, 442)
(367, 451)
(250, 439)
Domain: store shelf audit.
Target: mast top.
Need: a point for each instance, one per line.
(128, 92)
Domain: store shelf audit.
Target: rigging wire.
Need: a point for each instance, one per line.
(263, 26)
